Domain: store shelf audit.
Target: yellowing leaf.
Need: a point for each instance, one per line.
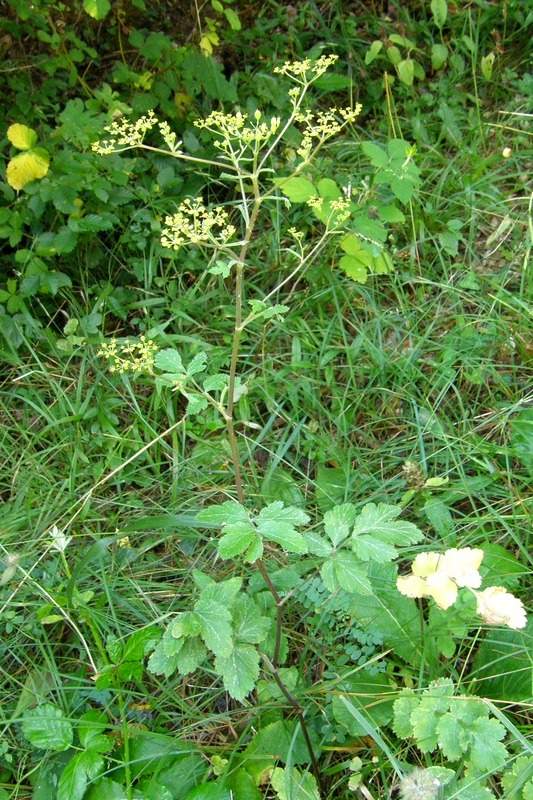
(27, 167)
(21, 137)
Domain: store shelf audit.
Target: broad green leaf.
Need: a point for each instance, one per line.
(406, 71)
(439, 55)
(239, 670)
(404, 706)
(487, 753)
(502, 664)
(317, 545)
(249, 624)
(425, 729)
(140, 643)
(277, 512)
(453, 738)
(215, 383)
(216, 626)
(105, 789)
(285, 535)
(449, 242)
(381, 520)
(328, 189)
(191, 655)
(402, 41)
(377, 155)
(164, 659)
(233, 19)
(338, 522)
(516, 777)
(236, 541)
(212, 790)
(521, 429)
(90, 731)
(223, 592)
(225, 513)
(281, 740)
(26, 167)
(390, 214)
(169, 360)
(370, 548)
(79, 770)
(197, 364)
(98, 9)
(290, 784)
(439, 9)
(21, 137)
(355, 268)
(351, 573)
(46, 727)
(297, 189)
(92, 223)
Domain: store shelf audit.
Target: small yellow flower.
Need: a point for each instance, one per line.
(497, 606)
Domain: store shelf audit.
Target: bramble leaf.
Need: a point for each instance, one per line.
(83, 767)
(297, 189)
(26, 167)
(21, 137)
(46, 727)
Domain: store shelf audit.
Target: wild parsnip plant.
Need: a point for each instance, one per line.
(237, 624)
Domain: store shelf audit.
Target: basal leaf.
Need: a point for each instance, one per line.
(191, 655)
(487, 753)
(372, 696)
(453, 738)
(21, 137)
(239, 670)
(290, 784)
(164, 659)
(297, 189)
(338, 522)
(46, 727)
(26, 167)
(216, 626)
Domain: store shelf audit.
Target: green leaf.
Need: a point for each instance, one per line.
(502, 664)
(517, 777)
(406, 71)
(449, 242)
(216, 626)
(355, 268)
(224, 514)
(236, 541)
(90, 731)
(349, 573)
(377, 155)
(46, 727)
(373, 51)
(105, 789)
(453, 738)
(439, 9)
(164, 659)
(297, 189)
(98, 9)
(381, 520)
(391, 214)
(191, 655)
(439, 55)
(290, 784)
(372, 696)
(249, 625)
(370, 548)
(277, 512)
(404, 706)
(197, 364)
(276, 523)
(338, 522)
(169, 360)
(195, 403)
(239, 670)
(223, 592)
(487, 753)
(21, 137)
(74, 778)
(328, 189)
(317, 545)
(233, 19)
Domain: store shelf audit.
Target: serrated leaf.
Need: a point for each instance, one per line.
(453, 738)
(297, 189)
(191, 655)
(291, 784)
(487, 753)
(239, 670)
(370, 548)
(425, 729)
(76, 775)
(354, 268)
(216, 626)
(404, 706)
(26, 167)
(377, 155)
(381, 520)
(223, 592)
(371, 696)
(285, 535)
(215, 383)
(46, 727)
(105, 789)
(277, 512)
(317, 545)
(197, 364)
(97, 9)
(338, 522)
(249, 625)
(90, 731)
(195, 403)
(328, 189)
(351, 574)
(224, 514)
(21, 137)
(169, 360)
(164, 659)
(236, 541)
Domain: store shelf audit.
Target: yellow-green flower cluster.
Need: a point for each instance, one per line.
(439, 576)
(322, 126)
(238, 127)
(125, 134)
(195, 224)
(301, 69)
(129, 356)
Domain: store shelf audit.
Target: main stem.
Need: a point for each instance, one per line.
(228, 417)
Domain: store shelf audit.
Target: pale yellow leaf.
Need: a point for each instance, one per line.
(21, 137)
(27, 167)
